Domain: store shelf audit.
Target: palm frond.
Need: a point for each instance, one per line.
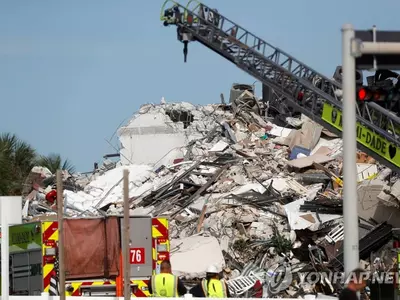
(54, 162)
(16, 160)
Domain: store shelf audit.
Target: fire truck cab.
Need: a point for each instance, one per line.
(93, 255)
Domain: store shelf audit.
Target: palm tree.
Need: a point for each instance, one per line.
(16, 161)
(54, 162)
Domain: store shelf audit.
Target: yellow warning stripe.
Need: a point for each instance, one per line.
(46, 271)
(157, 232)
(75, 286)
(142, 287)
(154, 254)
(160, 237)
(47, 268)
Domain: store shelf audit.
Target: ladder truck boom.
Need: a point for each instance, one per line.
(308, 91)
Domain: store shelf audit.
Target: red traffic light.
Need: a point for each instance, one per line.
(367, 94)
(362, 94)
(378, 96)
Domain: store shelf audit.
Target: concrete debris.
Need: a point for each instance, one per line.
(206, 249)
(240, 192)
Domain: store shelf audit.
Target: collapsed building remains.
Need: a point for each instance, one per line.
(240, 192)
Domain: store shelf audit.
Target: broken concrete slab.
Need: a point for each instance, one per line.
(370, 206)
(308, 161)
(307, 137)
(366, 171)
(305, 220)
(190, 257)
(279, 131)
(395, 190)
(219, 147)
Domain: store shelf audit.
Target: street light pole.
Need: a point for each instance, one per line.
(350, 200)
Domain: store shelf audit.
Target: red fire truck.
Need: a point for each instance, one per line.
(93, 255)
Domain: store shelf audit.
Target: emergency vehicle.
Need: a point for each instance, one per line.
(33, 256)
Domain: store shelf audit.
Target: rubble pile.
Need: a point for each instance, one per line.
(243, 193)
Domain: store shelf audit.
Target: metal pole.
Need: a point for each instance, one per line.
(60, 220)
(350, 201)
(380, 48)
(126, 239)
(5, 250)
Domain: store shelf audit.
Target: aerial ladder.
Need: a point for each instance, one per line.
(307, 91)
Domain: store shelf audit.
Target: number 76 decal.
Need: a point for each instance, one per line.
(136, 256)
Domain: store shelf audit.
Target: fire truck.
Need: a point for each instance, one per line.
(93, 255)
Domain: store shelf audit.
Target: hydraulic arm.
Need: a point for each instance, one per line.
(306, 90)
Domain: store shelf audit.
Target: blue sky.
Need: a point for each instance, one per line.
(72, 71)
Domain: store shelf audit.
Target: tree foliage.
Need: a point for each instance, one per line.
(54, 162)
(17, 158)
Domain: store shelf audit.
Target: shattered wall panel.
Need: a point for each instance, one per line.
(193, 255)
(369, 205)
(307, 137)
(154, 131)
(91, 248)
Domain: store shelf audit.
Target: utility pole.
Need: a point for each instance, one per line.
(60, 220)
(350, 200)
(365, 50)
(126, 239)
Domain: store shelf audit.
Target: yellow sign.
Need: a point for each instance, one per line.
(398, 269)
(366, 137)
